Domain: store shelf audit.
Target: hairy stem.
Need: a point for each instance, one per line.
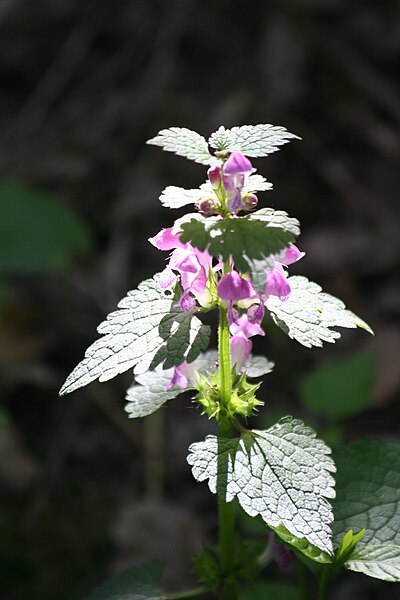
(225, 509)
(224, 358)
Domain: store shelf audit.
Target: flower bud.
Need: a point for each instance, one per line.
(250, 201)
(206, 206)
(214, 175)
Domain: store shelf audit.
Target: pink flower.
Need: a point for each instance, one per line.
(234, 287)
(243, 326)
(234, 171)
(292, 255)
(184, 375)
(241, 348)
(214, 175)
(276, 283)
(240, 344)
(190, 263)
(166, 240)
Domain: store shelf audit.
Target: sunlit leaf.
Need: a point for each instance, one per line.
(148, 329)
(308, 314)
(183, 142)
(282, 474)
(251, 140)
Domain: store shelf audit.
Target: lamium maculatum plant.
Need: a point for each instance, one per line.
(232, 255)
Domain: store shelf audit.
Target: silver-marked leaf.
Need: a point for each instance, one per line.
(258, 236)
(276, 218)
(136, 583)
(258, 365)
(381, 562)
(308, 314)
(258, 271)
(256, 183)
(176, 197)
(368, 497)
(251, 140)
(184, 142)
(147, 330)
(150, 392)
(282, 474)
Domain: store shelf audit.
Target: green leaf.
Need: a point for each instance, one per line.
(251, 140)
(136, 583)
(381, 562)
(37, 231)
(184, 142)
(368, 483)
(309, 313)
(367, 492)
(282, 473)
(147, 330)
(341, 389)
(254, 237)
(270, 589)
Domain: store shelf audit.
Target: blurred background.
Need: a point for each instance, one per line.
(83, 85)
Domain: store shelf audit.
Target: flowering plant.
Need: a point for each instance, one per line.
(232, 256)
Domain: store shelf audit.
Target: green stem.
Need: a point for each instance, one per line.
(323, 583)
(225, 509)
(224, 358)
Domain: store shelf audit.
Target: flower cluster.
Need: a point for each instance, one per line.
(205, 284)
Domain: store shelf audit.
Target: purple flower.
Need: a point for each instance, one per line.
(190, 263)
(276, 283)
(234, 171)
(167, 279)
(240, 347)
(255, 313)
(166, 240)
(233, 287)
(245, 327)
(292, 255)
(238, 164)
(214, 175)
(184, 375)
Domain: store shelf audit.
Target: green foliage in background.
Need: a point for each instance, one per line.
(38, 232)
